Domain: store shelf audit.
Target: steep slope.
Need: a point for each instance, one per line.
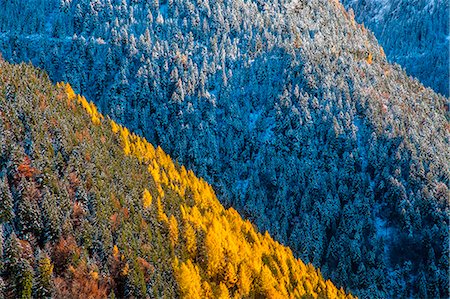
(90, 210)
(414, 34)
(289, 109)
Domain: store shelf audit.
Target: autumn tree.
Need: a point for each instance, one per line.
(214, 249)
(173, 230)
(189, 280)
(44, 283)
(190, 239)
(244, 281)
(146, 199)
(25, 280)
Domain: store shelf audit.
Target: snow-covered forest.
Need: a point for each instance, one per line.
(288, 108)
(414, 34)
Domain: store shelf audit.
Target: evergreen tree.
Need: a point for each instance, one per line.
(7, 206)
(2, 288)
(44, 277)
(12, 265)
(25, 280)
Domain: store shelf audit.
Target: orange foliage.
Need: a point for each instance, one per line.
(79, 283)
(63, 252)
(42, 101)
(116, 202)
(25, 169)
(115, 220)
(116, 253)
(78, 213)
(26, 250)
(74, 182)
(146, 268)
(125, 213)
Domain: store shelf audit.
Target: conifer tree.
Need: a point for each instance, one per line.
(12, 261)
(6, 208)
(189, 280)
(190, 239)
(25, 280)
(173, 230)
(44, 277)
(146, 199)
(2, 288)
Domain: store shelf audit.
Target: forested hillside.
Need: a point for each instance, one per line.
(414, 34)
(288, 108)
(91, 210)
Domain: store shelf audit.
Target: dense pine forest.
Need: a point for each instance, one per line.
(414, 34)
(91, 210)
(290, 109)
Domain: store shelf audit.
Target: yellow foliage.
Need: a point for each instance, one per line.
(115, 252)
(309, 288)
(94, 275)
(114, 127)
(223, 292)
(46, 267)
(369, 58)
(90, 108)
(267, 284)
(230, 275)
(190, 239)
(214, 249)
(125, 270)
(331, 290)
(161, 215)
(207, 290)
(228, 243)
(173, 230)
(146, 199)
(244, 280)
(160, 191)
(189, 280)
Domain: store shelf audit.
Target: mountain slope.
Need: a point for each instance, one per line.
(414, 34)
(104, 211)
(289, 109)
